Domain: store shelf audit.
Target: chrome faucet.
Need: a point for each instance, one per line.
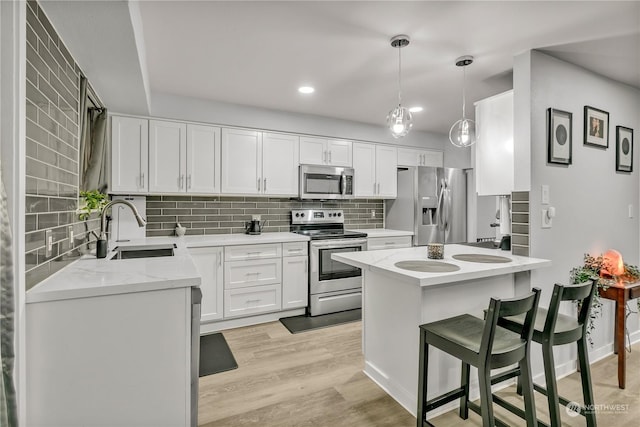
(101, 248)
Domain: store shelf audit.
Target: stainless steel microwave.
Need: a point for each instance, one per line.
(326, 182)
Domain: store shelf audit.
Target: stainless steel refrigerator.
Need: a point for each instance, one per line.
(431, 202)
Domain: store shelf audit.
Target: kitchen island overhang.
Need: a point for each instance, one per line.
(396, 301)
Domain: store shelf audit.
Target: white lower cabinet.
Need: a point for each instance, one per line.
(252, 300)
(247, 280)
(114, 360)
(295, 279)
(375, 243)
(209, 263)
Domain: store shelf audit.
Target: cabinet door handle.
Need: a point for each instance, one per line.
(324, 156)
(378, 188)
(142, 180)
(181, 182)
(329, 156)
(264, 188)
(258, 184)
(189, 181)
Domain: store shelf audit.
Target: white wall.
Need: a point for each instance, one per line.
(200, 110)
(590, 198)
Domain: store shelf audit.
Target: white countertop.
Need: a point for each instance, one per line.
(382, 261)
(383, 232)
(91, 277)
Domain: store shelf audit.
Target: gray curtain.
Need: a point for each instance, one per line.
(8, 408)
(94, 162)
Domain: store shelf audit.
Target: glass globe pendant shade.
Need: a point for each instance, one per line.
(463, 133)
(399, 121)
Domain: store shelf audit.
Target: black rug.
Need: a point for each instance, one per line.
(303, 323)
(215, 355)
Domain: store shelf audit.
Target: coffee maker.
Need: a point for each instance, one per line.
(254, 226)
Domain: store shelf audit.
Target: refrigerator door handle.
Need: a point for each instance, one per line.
(440, 208)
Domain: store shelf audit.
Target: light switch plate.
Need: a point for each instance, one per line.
(48, 243)
(546, 221)
(545, 195)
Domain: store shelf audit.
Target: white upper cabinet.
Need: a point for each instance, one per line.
(418, 157)
(280, 164)
(183, 158)
(257, 163)
(375, 170)
(324, 151)
(203, 159)
(387, 171)
(129, 155)
(241, 161)
(167, 155)
(494, 162)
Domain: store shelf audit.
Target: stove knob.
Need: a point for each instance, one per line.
(302, 214)
(297, 214)
(339, 213)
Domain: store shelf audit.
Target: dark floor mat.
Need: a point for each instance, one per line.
(215, 355)
(303, 323)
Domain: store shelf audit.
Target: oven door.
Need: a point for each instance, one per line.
(327, 275)
(326, 182)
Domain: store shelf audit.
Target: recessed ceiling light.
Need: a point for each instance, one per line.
(306, 89)
(416, 109)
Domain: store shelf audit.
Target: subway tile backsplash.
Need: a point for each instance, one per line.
(52, 151)
(224, 214)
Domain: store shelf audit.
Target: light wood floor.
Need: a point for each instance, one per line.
(315, 379)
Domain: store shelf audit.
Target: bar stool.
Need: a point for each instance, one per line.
(553, 328)
(485, 345)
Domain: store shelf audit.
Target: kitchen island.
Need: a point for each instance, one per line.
(397, 300)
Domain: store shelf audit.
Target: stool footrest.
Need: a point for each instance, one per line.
(563, 401)
(505, 376)
(514, 409)
(437, 402)
(475, 408)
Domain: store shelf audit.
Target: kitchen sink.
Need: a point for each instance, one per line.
(427, 266)
(143, 251)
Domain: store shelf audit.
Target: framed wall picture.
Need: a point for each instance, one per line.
(624, 149)
(559, 136)
(596, 127)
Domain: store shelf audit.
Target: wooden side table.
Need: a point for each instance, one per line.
(620, 293)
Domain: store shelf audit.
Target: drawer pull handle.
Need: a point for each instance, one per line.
(253, 300)
(252, 273)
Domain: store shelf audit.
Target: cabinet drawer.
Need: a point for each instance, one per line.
(236, 253)
(374, 243)
(254, 300)
(294, 249)
(240, 274)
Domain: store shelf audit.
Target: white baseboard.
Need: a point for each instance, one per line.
(206, 328)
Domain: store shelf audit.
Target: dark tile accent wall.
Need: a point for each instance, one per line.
(223, 214)
(52, 104)
(520, 223)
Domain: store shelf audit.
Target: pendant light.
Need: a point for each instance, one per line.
(399, 119)
(463, 132)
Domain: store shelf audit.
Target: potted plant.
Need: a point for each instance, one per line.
(94, 202)
(604, 274)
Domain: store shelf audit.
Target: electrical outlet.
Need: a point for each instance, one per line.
(48, 243)
(70, 237)
(373, 213)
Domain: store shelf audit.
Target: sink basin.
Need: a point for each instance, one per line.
(482, 258)
(143, 251)
(427, 266)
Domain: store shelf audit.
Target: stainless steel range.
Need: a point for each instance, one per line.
(333, 286)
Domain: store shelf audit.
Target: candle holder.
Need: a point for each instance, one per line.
(435, 251)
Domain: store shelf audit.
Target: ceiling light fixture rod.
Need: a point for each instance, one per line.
(399, 119)
(463, 132)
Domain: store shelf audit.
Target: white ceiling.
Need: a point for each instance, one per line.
(257, 53)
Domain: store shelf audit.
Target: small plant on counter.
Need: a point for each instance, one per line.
(605, 270)
(94, 201)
